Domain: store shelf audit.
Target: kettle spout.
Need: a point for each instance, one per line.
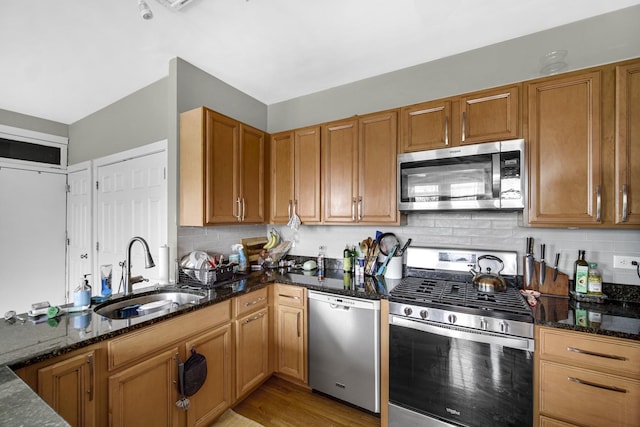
(473, 273)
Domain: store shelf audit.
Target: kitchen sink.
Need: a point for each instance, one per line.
(153, 302)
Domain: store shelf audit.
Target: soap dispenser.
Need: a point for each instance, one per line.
(82, 294)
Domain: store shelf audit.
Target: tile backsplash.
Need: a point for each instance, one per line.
(481, 230)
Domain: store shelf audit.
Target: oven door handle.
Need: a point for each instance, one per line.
(463, 333)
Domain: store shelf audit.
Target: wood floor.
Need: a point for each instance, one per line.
(279, 403)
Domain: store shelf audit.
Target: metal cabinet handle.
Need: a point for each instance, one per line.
(446, 130)
(359, 209)
(243, 209)
(353, 209)
(298, 323)
(289, 210)
(464, 125)
(91, 373)
(598, 203)
(593, 353)
(625, 203)
(254, 302)
(290, 296)
(592, 384)
(295, 206)
(239, 208)
(253, 318)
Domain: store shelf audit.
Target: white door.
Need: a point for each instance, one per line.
(32, 238)
(131, 200)
(79, 250)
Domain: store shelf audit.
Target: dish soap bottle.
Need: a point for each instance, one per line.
(82, 294)
(594, 281)
(580, 274)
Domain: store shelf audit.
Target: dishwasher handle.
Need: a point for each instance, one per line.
(339, 307)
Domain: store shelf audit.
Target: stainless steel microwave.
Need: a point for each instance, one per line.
(471, 177)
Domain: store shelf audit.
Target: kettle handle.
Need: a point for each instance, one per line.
(491, 257)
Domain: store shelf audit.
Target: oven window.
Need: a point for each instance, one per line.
(460, 381)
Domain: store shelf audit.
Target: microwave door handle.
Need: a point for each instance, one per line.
(495, 175)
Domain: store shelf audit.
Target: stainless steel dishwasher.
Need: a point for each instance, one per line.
(344, 348)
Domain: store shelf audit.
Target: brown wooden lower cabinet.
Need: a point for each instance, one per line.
(146, 393)
(69, 387)
(290, 332)
(586, 380)
(252, 351)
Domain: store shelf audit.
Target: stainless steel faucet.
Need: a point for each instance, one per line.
(128, 280)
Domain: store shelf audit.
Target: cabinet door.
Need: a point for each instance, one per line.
(564, 151)
(215, 395)
(307, 174)
(222, 189)
(282, 177)
(426, 126)
(69, 388)
(377, 200)
(146, 394)
(627, 144)
(340, 171)
(252, 351)
(290, 340)
(490, 115)
(252, 174)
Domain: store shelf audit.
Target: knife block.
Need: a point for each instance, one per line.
(550, 287)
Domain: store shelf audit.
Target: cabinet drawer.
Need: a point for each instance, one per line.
(588, 398)
(252, 301)
(593, 351)
(146, 341)
(550, 422)
(290, 295)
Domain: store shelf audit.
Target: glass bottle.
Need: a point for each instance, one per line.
(594, 281)
(346, 259)
(580, 274)
(320, 260)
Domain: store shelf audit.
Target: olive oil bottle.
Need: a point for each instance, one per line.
(581, 274)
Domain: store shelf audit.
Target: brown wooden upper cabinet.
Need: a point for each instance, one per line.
(565, 156)
(221, 170)
(359, 170)
(627, 147)
(489, 115)
(295, 176)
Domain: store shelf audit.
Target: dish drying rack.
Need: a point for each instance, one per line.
(206, 277)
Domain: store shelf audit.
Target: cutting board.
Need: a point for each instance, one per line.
(550, 287)
(253, 247)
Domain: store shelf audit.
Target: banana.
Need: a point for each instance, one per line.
(271, 242)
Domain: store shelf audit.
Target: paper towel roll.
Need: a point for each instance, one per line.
(163, 265)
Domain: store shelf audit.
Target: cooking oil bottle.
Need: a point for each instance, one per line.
(580, 274)
(594, 281)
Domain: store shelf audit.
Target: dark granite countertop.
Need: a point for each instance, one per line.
(613, 318)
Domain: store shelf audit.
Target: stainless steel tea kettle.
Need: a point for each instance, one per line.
(488, 281)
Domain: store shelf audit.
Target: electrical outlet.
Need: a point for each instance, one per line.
(625, 261)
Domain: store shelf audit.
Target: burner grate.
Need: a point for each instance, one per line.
(422, 291)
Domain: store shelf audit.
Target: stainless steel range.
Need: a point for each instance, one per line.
(460, 355)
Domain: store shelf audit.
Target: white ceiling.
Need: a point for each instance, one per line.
(65, 59)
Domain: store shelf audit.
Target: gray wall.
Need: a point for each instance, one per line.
(599, 40)
(10, 118)
(135, 120)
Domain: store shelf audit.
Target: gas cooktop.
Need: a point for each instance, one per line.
(424, 291)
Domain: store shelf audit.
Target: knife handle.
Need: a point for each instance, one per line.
(542, 251)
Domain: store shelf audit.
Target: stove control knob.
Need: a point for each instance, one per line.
(452, 318)
(424, 314)
(504, 327)
(408, 311)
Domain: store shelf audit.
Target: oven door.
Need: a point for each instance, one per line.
(447, 375)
